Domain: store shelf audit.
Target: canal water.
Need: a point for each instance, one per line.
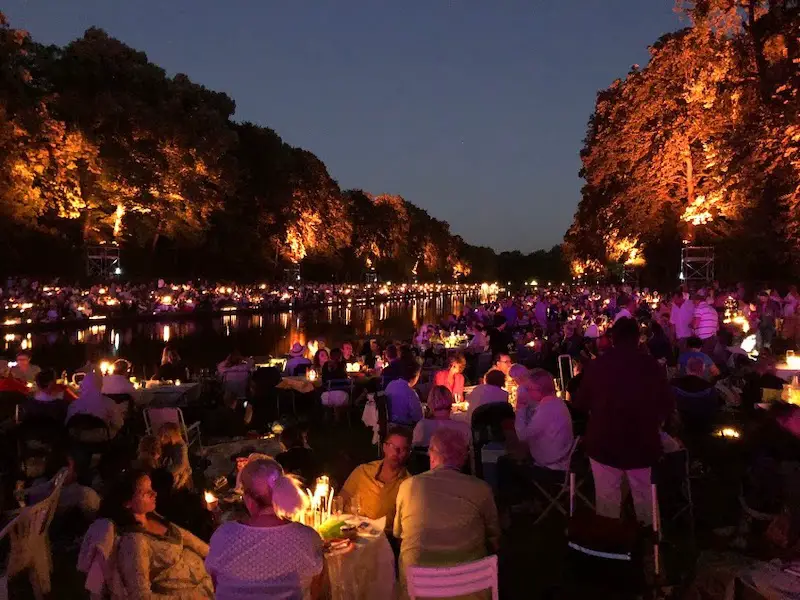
(204, 341)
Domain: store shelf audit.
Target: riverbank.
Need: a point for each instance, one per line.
(19, 325)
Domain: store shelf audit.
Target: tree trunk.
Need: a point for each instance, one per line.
(758, 49)
(86, 230)
(689, 176)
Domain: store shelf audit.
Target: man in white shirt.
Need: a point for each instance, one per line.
(681, 318)
(628, 307)
(544, 423)
(488, 392)
(706, 322)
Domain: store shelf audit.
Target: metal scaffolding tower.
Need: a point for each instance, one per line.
(697, 265)
(103, 261)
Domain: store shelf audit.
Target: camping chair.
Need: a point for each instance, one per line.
(554, 493)
(10, 403)
(154, 418)
(30, 544)
(90, 436)
(487, 428)
(671, 475)
(446, 582)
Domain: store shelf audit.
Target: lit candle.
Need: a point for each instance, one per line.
(211, 501)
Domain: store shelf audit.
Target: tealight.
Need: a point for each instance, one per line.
(211, 500)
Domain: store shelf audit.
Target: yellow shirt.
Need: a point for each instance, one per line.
(376, 498)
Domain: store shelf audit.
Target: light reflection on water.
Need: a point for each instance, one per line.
(205, 341)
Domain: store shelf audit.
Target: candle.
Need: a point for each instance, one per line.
(211, 501)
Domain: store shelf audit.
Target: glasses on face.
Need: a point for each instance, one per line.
(398, 449)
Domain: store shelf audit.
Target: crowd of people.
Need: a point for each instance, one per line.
(473, 416)
(24, 301)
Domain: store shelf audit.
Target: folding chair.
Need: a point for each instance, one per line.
(154, 418)
(288, 396)
(579, 471)
(30, 544)
(336, 387)
(675, 501)
(554, 500)
(447, 582)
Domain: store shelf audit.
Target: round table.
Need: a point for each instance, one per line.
(364, 571)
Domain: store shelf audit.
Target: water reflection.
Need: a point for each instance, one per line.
(205, 341)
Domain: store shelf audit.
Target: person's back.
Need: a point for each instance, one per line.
(404, 405)
(264, 562)
(442, 517)
(628, 398)
(485, 393)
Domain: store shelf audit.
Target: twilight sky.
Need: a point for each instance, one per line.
(474, 110)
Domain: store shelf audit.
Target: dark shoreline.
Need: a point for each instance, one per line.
(69, 324)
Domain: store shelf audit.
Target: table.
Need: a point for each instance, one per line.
(298, 384)
(167, 395)
(219, 455)
(365, 571)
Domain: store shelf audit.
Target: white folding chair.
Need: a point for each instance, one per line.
(446, 582)
(154, 418)
(30, 544)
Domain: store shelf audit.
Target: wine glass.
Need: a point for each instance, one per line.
(337, 506)
(355, 507)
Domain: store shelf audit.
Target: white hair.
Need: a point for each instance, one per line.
(451, 445)
(265, 482)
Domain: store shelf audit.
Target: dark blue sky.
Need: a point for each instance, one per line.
(473, 109)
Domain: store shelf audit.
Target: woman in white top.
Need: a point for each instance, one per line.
(440, 403)
(267, 556)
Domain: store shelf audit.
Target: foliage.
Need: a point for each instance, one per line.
(700, 145)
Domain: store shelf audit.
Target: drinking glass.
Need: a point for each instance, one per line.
(337, 506)
(355, 507)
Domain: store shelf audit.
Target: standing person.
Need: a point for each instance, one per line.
(706, 322)
(445, 517)
(627, 396)
(681, 318)
(791, 327)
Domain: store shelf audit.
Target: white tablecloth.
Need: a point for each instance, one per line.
(167, 395)
(366, 572)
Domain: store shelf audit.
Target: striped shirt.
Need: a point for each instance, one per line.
(706, 321)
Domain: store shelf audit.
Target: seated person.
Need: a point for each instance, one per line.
(9, 383)
(229, 419)
(764, 377)
(25, 370)
(118, 382)
(694, 349)
(443, 516)
(347, 354)
(544, 423)
(234, 362)
(297, 458)
(148, 453)
(74, 496)
(154, 558)
(334, 368)
(452, 378)
(172, 367)
(48, 401)
(175, 455)
(440, 403)
(488, 392)
(296, 360)
(393, 368)
(697, 399)
(375, 484)
(91, 401)
(268, 555)
(405, 408)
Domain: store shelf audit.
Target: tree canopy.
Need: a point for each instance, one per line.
(98, 145)
(699, 147)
